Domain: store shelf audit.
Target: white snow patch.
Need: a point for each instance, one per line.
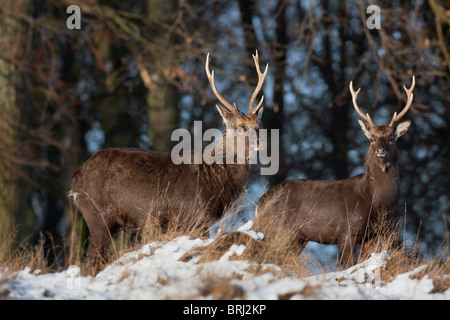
(246, 228)
(156, 272)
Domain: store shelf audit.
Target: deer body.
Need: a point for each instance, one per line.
(155, 186)
(333, 212)
(122, 187)
(132, 187)
(343, 211)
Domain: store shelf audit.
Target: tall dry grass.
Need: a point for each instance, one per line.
(45, 254)
(401, 259)
(278, 248)
(15, 256)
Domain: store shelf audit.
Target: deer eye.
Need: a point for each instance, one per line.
(391, 139)
(372, 139)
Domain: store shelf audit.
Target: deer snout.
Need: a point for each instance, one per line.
(382, 152)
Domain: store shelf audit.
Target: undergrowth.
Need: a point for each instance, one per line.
(277, 250)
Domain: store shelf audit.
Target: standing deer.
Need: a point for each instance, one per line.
(121, 187)
(343, 211)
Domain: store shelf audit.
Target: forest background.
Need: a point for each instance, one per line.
(134, 71)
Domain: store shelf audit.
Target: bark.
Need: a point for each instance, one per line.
(163, 95)
(11, 82)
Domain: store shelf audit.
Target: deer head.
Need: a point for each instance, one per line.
(232, 117)
(382, 138)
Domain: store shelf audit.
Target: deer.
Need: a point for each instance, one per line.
(343, 212)
(132, 187)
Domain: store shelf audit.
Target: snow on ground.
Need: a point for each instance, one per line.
(157, 272)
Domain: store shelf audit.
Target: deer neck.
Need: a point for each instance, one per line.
(227, 152)
(236, 164)
(224, 183)
(229, 173)
(382, 182)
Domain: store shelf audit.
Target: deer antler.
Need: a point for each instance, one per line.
(354, 96)
(261, 78)
(210, 75)
(409, 99)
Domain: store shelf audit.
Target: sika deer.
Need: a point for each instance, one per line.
(124, 186)
(343, 211)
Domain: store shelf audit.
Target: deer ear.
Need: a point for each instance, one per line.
(226, 116)
(365, 128)
(402, 128)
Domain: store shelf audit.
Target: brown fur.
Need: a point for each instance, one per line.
(341, 211)
(120, 187)
(132, 187)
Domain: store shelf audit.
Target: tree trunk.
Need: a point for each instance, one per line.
(275, 117)
(163, 95)
(338, 123)
(11, 92)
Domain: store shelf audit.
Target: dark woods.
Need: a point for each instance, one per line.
(134, 72)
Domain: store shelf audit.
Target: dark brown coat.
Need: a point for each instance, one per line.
(123, 187)
(345, 211)
(342, 211)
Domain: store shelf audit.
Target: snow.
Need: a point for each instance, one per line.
(246, 228)
(156, 271)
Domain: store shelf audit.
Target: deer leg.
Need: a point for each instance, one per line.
(96, 251)
(98, 232)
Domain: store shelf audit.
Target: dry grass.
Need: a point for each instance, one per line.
(221, 288)
(16, 256)
(402, 260)
(23, 255)
(278, 248)
(309, 291)
(130, 239)
(278, 252)
(47, 255)
(439, 272)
